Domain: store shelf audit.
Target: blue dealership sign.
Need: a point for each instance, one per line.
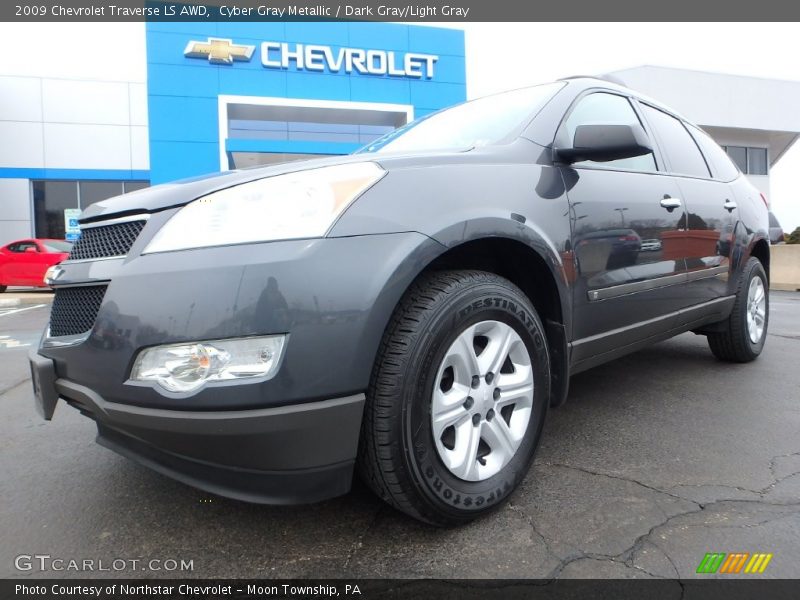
(193, 68)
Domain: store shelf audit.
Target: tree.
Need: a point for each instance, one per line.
(794, 237)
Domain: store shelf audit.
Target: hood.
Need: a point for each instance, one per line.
(182, 192)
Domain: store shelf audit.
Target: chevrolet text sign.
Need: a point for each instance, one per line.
(310, 57)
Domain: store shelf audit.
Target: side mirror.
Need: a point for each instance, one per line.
(603, 143)
(31, 249)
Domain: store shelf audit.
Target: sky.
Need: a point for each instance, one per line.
(499, 56)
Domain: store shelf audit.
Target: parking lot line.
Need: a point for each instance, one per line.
(19, 310)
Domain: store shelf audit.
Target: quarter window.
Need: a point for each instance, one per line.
(721, 165)
(607, 109)
(682, 152)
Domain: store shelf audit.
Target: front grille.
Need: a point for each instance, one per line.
(75, 309)
(106, 240)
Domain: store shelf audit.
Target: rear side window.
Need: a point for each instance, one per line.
(682, 152)
(21, 246)
(607, 109)
(722, 166)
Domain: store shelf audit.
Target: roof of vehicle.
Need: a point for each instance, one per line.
(611, 82)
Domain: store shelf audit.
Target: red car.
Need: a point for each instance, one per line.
(24, 262)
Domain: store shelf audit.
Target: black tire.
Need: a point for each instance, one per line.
(2, 289)
(398, 458)
(733, 344)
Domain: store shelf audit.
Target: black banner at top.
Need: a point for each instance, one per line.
(400, 10)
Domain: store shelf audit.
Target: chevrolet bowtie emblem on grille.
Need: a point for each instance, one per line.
(219, 51)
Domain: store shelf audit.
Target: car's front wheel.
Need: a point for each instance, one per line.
(457, 399)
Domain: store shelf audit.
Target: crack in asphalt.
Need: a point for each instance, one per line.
(784, 336)
(773, 466)
(513, 507)
(358, 542)
(14, 386)
(667, 556)
(627, 556)
(620, 478)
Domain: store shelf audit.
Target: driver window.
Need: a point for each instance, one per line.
(607, 109)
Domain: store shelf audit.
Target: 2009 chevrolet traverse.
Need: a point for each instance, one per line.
(411, 310)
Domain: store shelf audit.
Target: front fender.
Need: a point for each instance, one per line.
(462, 202)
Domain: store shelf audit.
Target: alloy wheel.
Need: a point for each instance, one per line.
(482, 400)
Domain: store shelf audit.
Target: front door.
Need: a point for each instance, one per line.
(629, 250)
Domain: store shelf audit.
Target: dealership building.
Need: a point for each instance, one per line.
(220, 96)
(217, 96)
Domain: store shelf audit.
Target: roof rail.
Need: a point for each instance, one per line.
(602, 77)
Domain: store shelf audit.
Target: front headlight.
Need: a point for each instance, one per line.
(296, 205)
(188, 367)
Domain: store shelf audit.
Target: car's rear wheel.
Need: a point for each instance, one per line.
(457, 399)
(745, 330)
(2, 289)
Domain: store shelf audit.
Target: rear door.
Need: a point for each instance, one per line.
(624, 218)
(710, 216)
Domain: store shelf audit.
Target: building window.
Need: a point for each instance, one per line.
(281, 132)
(306, 131)
(133, 186)
(757, 161)
(51, 198)
(751, 161)
(95, 191)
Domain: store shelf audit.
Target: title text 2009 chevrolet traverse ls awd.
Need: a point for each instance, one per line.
(410, 311)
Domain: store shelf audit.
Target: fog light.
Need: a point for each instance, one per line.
(187, 367)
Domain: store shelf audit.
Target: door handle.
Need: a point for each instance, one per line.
(670, 203)
(729, 205)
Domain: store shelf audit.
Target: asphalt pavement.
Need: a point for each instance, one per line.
(656, 459)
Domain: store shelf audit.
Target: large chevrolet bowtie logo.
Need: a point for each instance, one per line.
(219, 51)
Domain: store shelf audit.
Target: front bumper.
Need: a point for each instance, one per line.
(292, 438)
(281, 455)
(332, 297)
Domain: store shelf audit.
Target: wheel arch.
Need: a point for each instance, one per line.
(514, 260)
(760, 250)
(541, 277)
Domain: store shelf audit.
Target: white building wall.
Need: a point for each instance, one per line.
(22, 145)
(719, 99)
(55, 123)
(15, 217)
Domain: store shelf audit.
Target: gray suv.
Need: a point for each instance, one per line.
(411, 311)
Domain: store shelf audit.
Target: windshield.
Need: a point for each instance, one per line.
(56, 246)
(473, 124)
